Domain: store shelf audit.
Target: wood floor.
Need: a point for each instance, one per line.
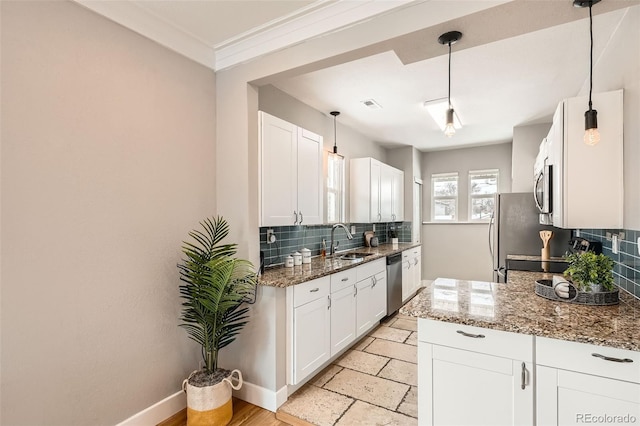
(244, 414)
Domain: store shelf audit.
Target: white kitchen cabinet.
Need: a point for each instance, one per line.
(473, 376)
(343, 309)
(575, 387)
(371, 302)
(411, 272)
(585, 177)
(311, 327)
(376, 191)
(290, 174)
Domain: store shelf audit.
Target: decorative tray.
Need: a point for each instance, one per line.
(544, 288)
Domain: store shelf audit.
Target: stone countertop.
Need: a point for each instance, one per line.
(516, 308)
(280, 276)
(534, 258)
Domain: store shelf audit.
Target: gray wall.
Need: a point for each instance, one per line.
(460, 250)
(107, 162)
(526, 143)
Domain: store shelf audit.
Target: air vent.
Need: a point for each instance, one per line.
(371, 104)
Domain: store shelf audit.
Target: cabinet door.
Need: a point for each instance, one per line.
(570, 398)
(309, 177)
(397, 196)
(278, 162)
(376, 173)
(459, 387)
(343, 318)
(407, 275)
(379, 297)
(386, 193)
(311, 337)
(364, 317)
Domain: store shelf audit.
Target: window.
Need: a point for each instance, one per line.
(444, 197)
(335, 188)
(483, 185)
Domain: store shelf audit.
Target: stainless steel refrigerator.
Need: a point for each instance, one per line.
(515, 230)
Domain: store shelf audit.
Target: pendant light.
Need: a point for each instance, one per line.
(449, 38)
(591, 134)
(335, 146)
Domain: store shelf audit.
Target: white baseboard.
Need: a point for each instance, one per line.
(265, 398)
(158, 412)
(162, 410)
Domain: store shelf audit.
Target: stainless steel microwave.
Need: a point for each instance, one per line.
(542, 185)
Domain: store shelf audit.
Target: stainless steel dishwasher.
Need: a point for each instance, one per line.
(394, 283)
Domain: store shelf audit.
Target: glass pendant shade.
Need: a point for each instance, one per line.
(591, 134)
(449, 130)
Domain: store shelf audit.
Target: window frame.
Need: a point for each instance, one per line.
(339, 191)
(471, 175)
(434, 198)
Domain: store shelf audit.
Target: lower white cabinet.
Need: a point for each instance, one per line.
(310, 327)
(343, 319)
(326, 315)
(473, 376)
(580, 384)
(411, 272)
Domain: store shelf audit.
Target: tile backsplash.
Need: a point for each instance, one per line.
(295, 238)
(626, 270)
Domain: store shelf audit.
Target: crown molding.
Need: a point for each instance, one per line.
(129, 15)
(333, 16)
(320, 17)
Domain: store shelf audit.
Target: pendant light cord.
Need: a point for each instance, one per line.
(590, 54)
(335, 143)
(449, 96)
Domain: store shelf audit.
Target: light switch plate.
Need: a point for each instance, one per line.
(638, 245)
(614, 243)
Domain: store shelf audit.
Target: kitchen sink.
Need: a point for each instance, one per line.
(355, 256)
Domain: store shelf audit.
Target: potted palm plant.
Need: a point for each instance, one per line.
(214, 286)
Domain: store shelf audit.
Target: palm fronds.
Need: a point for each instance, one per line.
(214, 286)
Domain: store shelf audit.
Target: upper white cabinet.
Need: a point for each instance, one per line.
(587, 189)
(376, 191)
(290, 174)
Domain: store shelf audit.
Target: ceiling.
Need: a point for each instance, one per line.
(515, 62)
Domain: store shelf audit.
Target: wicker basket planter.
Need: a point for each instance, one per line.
(544, 288)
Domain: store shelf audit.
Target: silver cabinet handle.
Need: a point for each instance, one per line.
(475, 336)
(355, 291)
(609, 358)
(295, 222)
(345, 279)
(523, 377)
(314, 290)
(415, 261)
(374, 281)
(329, 302)
(379, 216)
(301, 218)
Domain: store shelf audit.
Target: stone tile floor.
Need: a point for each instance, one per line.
(373, 383)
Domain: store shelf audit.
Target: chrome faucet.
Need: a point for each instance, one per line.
(349, 236)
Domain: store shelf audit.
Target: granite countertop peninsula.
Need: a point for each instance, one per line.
(515, 307)
(279, 276)
(535, 258)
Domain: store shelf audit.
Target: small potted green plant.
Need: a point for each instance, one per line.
(214, 286)
(590, 272)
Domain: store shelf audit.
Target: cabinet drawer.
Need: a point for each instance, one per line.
(493, 342)
(580, 357)
(311, 290)
(343, 279)
(369, 269)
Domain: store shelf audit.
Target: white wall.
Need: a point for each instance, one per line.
(107, 162)
(526, 143)
(460, 250)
